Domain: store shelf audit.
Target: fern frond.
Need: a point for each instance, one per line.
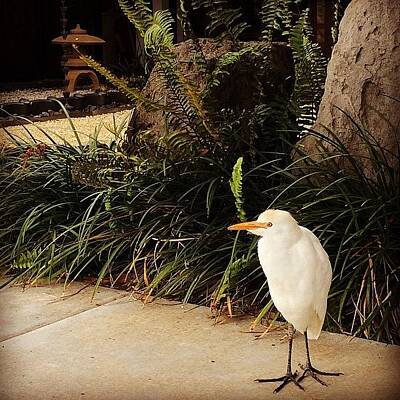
(122, 84)
(337, 16)
(177, 141)
(310, 71)
(176, 86)
(27, 259)
(229, 279)
(139, 13)
(224, 19)
(186, 108)
(276, 15)
(184, 101)
(159, 36)
(223, 64)
(236, 188)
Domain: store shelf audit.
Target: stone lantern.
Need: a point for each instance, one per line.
(73, 66)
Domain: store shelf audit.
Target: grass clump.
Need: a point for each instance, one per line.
(355, 211)
(161, 225)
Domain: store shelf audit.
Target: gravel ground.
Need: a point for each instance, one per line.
(33, 94)
(60, 129)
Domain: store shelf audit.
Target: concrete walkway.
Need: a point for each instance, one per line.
(55, 347)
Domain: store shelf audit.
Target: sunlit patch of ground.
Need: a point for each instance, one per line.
(104, 126)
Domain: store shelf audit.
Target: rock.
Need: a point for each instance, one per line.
(91, 109)
(239, 90)
(15, 108)
(363, 80)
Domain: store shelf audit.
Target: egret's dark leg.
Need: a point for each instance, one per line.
(314, 372)
(289, 377)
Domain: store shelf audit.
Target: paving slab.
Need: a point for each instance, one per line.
(23, 309)
(127, 350)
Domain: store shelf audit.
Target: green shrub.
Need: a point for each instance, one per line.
(159, 223)
(162, 226)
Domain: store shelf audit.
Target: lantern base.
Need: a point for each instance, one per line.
(72, 79)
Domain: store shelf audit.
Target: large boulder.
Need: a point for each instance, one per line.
(363, 81)
(240, 89)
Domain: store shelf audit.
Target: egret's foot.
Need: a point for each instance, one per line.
(309, 370)
(285, 379)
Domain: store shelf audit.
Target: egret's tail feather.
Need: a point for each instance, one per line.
(313, 334)
(315, 326)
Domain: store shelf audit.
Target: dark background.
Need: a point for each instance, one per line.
(28, 26)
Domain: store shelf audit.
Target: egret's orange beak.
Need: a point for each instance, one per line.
(247, 226)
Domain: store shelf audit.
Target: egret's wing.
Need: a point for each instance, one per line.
(323, 278)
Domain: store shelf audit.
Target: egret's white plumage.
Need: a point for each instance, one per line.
(299, 276)
(298, 271)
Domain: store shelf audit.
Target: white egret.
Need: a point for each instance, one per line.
(299, 276)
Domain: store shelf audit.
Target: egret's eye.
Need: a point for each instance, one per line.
(269, 224)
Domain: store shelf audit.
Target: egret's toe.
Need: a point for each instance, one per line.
(309, 370)
(285, 379)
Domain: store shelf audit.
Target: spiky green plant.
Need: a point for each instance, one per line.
(138, 12)
(225, 21)
(338, 7)
(236, 188)
(310, 67)
(277, 17)
(185, 108)
(193, 118)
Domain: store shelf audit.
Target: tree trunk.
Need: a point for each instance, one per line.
(363, 79)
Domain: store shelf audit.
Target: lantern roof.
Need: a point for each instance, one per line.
(78, 36)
